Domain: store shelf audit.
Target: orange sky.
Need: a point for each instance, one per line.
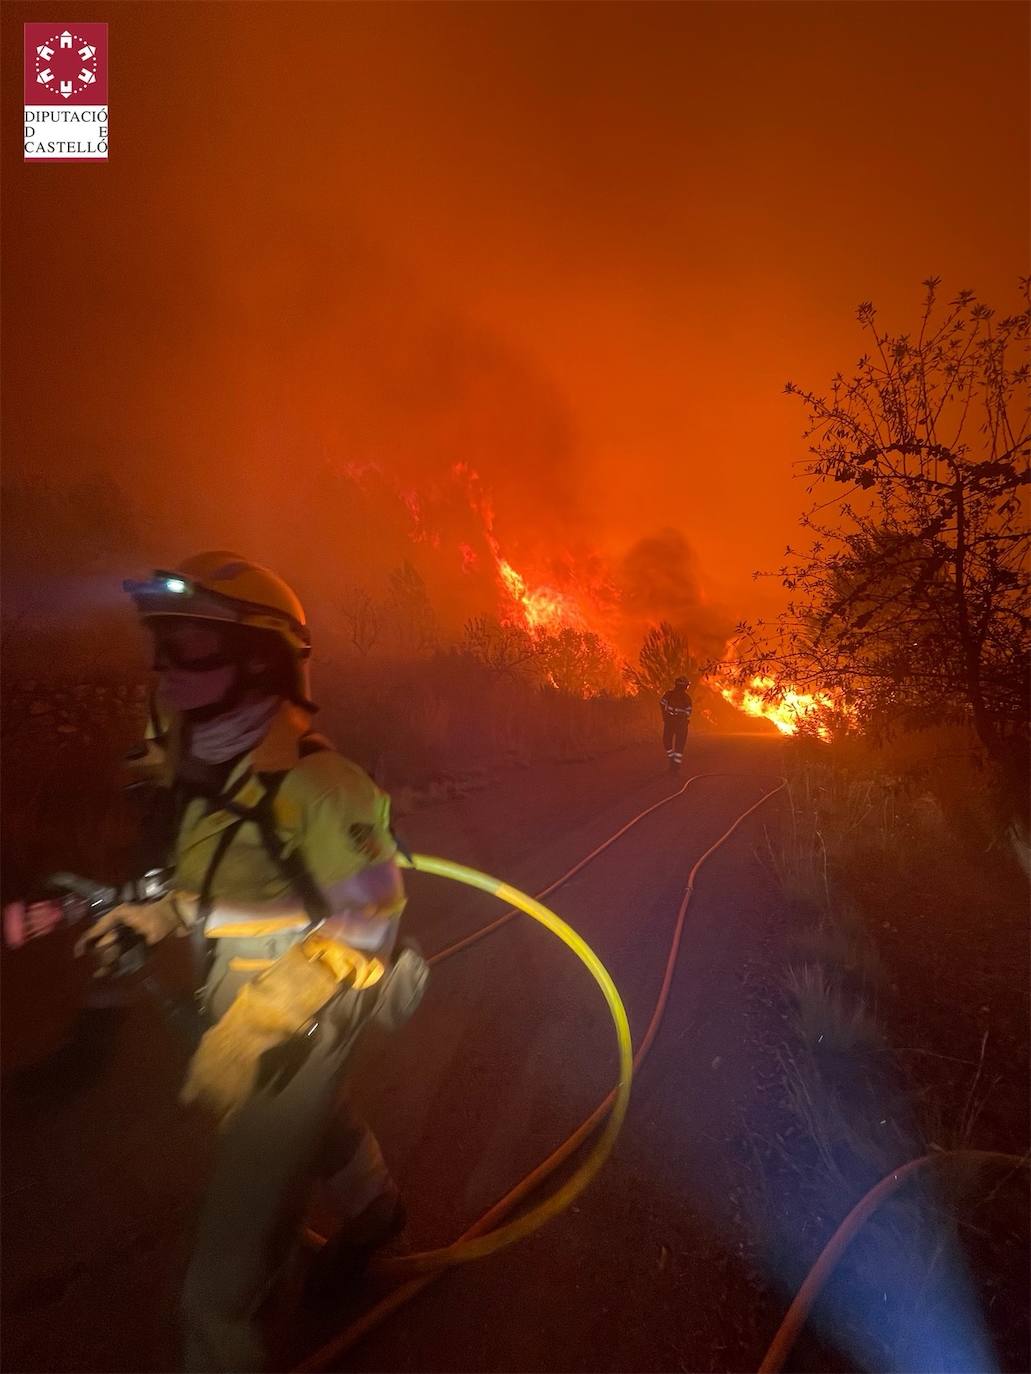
(580, 247)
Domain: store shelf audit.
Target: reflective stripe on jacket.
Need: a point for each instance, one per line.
(676, 703)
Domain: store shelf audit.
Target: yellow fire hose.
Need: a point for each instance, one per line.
(484, 1236)
(420, 1269)
(476, 1248)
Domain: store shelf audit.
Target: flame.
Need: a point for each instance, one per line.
(538, 609)
(421, 533)
(585, 602)
(784, 706)
(543, 608)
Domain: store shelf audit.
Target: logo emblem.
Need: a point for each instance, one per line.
(65, 92)
(57, 60)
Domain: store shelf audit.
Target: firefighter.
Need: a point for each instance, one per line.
(676, 716)
(285, 874)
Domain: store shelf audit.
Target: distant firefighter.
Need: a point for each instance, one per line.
(676, 716)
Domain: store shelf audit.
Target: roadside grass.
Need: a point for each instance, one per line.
(903, 988)
(411, 721)
(828, 1017)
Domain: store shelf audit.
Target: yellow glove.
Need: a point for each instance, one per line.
(177, 911)
(266, 1012)
(343, 961)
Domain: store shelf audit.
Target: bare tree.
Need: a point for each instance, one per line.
(910, 602)
(363, 616)
(505, 649)
(410, 612)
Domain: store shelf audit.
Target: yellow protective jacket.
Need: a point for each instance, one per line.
(287, 825)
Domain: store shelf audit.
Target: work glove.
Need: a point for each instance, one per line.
(269, 1013)
(273, 1014)
(176, 913)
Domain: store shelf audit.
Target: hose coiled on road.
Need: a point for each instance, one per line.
(478, 1238)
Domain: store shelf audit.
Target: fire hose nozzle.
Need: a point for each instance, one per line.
(79, 899)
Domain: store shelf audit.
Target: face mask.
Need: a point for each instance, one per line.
(190, 689)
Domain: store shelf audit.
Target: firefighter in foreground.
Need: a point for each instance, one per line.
(676, 717)
(284, 870)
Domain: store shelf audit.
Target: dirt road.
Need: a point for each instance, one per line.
(511, 1049)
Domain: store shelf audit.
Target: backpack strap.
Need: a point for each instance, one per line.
(224, 841)
(291, 865)
(200, 948)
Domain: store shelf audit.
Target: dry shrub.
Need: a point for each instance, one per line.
(410, 721)
(829, 1018)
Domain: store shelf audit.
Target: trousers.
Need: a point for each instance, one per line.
(268, 1158)
(674, 736)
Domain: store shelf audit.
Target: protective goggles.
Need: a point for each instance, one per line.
(171, 651)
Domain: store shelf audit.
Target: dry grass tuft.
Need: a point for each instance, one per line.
(827, 1019)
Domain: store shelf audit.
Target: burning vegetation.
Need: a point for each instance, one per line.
(789, 710)
(570, 626)
(907, 606)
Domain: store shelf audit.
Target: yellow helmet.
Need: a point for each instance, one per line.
(223, 586)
